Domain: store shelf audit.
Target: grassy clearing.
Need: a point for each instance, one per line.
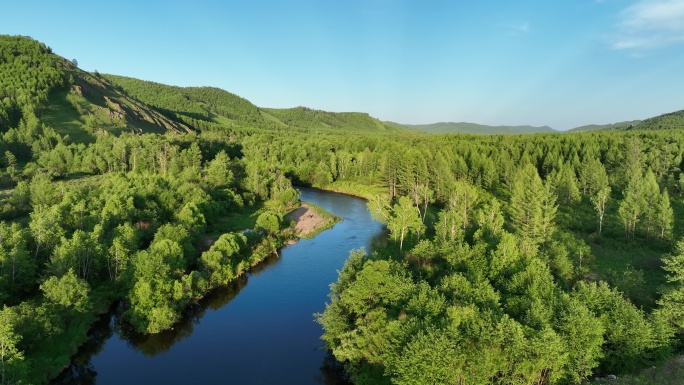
(242, 218)
(632, 267)
(355, 189)
(220, 119)
(61, 115)
(272, 118)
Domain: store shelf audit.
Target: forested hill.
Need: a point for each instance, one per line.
(613, 126)
(53, 96)
(304, 117)
(672, 120)
(43, 93)
(521, 259)
(473, 128)
(194, 104)
(199, 105)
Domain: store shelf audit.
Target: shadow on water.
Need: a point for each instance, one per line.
(332, 372)
(153, 344)
(82, 370)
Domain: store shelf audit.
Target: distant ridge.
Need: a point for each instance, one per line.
(668, 121)
(613, 126)
(473, 128)
(81, 106)
(671, 120)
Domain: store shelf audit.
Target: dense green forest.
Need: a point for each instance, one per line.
(513, 259)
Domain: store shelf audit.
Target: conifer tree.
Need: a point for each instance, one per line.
(664, 216)
(533, 207)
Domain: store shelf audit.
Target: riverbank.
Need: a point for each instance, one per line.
(310, 220)
(258, 330)
(353, 189)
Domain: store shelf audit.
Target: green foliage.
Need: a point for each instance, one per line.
(17, 267)
(69, 292)
(124, 243)
(600, 200)
(533, 208)
(12, 364)
(95, 198)
(155, 301)
(29, 73)
(644, 204)
(82, 254)
(671, 303)
(199, 103)
(303, 117)
(402, 218)
(221, 263)
(629, 335)
(670, 121)
(218, 171)
(269, 222)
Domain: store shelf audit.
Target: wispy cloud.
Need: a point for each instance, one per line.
(520, 28)
(650, 24)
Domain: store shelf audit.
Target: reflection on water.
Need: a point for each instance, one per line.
(81, 370)
(153, 344)
(257, 330)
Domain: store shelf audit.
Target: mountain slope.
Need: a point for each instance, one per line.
(92, 104)
(473, 128)
(613, 126)
(41, 92)
(307, 118)
(208, 104)
(29, 72)
(672, 120)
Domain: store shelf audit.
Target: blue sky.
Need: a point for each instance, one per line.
(561, 63)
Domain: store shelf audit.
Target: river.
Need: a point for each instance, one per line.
(259, 330)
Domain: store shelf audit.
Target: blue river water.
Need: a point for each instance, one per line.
(259, 330)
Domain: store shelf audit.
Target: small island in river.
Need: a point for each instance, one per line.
(310, 220)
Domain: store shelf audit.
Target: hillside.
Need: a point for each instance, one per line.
(191, 104)
(41, 90)
(28, 73)
(473, 128)
(44, 91)
(465, 286)
(613, 126)
(303, 117)
(196, 105)
(672, 120)
(90, 106)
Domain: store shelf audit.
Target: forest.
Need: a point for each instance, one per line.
(513, 259)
